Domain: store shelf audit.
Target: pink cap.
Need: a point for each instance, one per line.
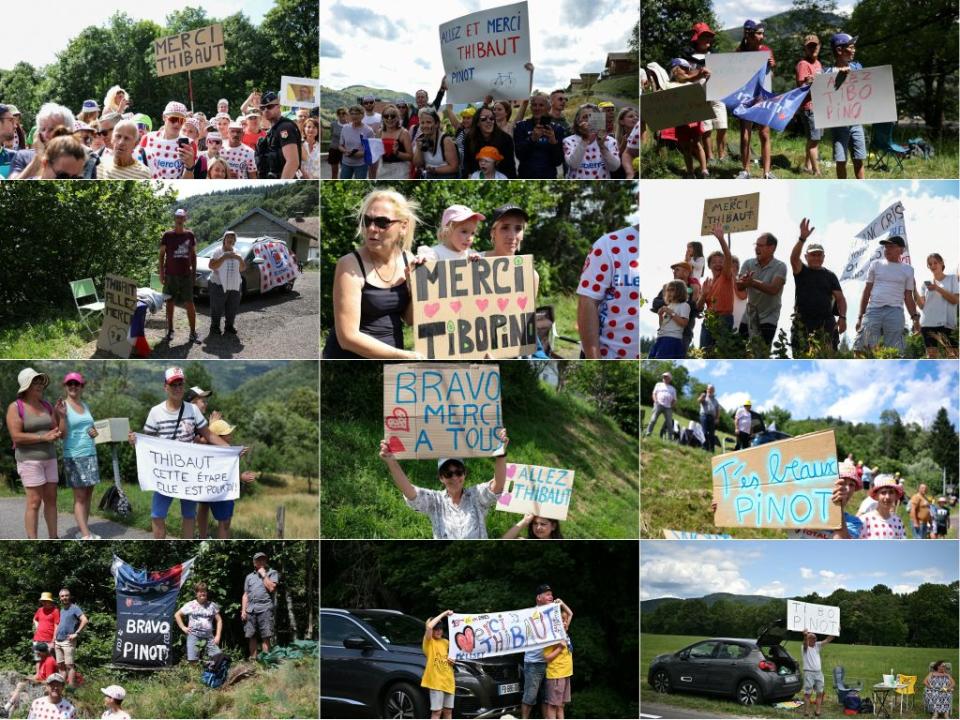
(459, 213)
(172, 374)
(175, 108)
(74, 376)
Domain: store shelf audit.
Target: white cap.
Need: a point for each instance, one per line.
(114, 691)
(171, 374)
(180, 213)
(175, 108)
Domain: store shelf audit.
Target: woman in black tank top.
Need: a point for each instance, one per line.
(371, 297)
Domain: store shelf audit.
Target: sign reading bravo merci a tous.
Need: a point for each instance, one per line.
(484, 635)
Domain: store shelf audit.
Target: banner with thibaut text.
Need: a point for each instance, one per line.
(483, 635)
(190, 471)
(146, 602)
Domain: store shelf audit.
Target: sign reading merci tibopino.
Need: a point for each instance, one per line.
(784, 484)
(190, 50)
(736, 213)
(474, 309)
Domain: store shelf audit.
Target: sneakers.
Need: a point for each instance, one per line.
(215, 331)
(743, 175)
(231, 330)
(705, 175)
(769, 176)
(168, 337)
(91, 536)
(194, 338)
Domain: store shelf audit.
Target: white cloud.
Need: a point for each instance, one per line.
(806, 573)
(827, 574)
(677, 572)
(774, 589)
(903, 589)
(732, 400)
(928, 574)
(719, 368)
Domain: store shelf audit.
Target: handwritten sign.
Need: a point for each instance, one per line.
(205, 473)
(736, 213)
(120, 300)
(866, 246)
(675, 106)
(819, 619)
(299, 92)
(857, 97)
(731, 71)
(539, 490)
(474, 309)
(111, 430)
(687, 535)
(484, 53)
(484, 635)
(434, 410)
(190, 50)
(784, 484)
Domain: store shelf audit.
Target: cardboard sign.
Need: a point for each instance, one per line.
(120, 300)
(687, 535)
(474, 309)
(111, 430)
(539, 490)
(863, 97)
(434, 410)
(783, 484)
(736, 213)
(299, 92)
(675, 106)
(731, 71)
(484, 53)
(190, 50)
(205, 473)
(473, 637)
(819, 619)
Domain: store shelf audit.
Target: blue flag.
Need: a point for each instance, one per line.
(774, 111)
(748, 92)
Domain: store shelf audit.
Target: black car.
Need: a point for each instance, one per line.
(769, 436)
(371, 662)
(751, 671)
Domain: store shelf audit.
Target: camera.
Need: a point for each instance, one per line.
(426, 144)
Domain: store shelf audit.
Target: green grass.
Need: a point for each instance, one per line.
(620, 86)
(860, 662)
(788, 156)
(358, 498)
(677, 492)
(53, 335)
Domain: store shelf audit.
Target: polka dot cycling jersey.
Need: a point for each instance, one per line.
(592, 165)
(611, 274)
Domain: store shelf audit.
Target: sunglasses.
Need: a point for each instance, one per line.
(213, 142)
(104, 133)
(73, 383)
(176, 120)
(459, 472)
(67, 176)
(368, 102)
(391, 116)
(267, 107)
(380, 221)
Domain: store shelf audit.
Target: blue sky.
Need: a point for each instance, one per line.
(856, 390)
(788, 568)
(837, 209)
(732, 13)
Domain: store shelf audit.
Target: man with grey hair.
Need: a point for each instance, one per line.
(539, 141)
(26, 163)
(709, 415)
(763, 277)
(664, 399)
(107, 124)
(889, 286)
(819, 297)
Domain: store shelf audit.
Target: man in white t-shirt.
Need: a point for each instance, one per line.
(609, 297)
(175, 419)
(373, 120)
(664, 397)
(812, 671)
(241, 158)
(167, 154)
(890, 285)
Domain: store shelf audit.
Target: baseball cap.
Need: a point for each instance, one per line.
(508, 209)
(55, 677)
(223, 100)
(269, 98)
(236, 125)
(542, 588)
(13, 110)
(443, 461)
(79, 126)
(368, 98)
(257, 556)
(843, 39)
(196, 392)
(682, 264)
(489, 152)
(41, 647)
(814, 247)
(194, 123)
(73, 376)
(752, 26)
(459, 213)
(114, 691)
(113, 117)
(894, 240)
(699, 29)
(222, 116)
(747, 402)
(89, 105)
(141, 119)
(811, 39)
(175, 108)
(172, 374)
(180, 213)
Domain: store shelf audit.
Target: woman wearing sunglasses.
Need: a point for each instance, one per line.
(79, 451)
(485, 132)
(397, 147)
(456, 512)
(371, 298)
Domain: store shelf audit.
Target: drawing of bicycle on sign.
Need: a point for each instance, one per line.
(504, 80)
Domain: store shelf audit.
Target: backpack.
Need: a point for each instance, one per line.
(866, 706)
(852, 702)
(116, 499)
(215, 671)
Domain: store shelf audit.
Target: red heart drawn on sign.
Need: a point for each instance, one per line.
(465, 639)
(511, 470)
(482, 303)
(522, 302)
(502, 303)
(398, 420)
(456, 305)
(394, 445)
(430, 309)
(505, 498)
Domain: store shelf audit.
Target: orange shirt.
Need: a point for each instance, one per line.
(719, 296)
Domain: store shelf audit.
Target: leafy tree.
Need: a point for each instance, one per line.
(943, 444)
(892, 433)
(665, 26)
(613, 388)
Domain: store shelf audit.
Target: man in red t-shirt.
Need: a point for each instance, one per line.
(753, 42)
(807, 69)
(178, 268)
(46, 664)
(251, 129)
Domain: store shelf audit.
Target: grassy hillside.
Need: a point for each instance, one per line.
(358, 498)
(867, 663)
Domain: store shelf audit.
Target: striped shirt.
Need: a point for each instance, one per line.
(466, 521)
(109, 170)
(161, 422)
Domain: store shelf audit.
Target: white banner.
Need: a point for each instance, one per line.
(866, 245)
(502, 633)
(858, 97)
(205, 473)
(731, 71)
(819, 619)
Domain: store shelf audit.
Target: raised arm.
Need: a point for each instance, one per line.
(396, 472)
(514, 532)
(805, 232)
(500, 464)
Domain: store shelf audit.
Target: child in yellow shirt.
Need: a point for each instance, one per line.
(438, 673)
(559, 670)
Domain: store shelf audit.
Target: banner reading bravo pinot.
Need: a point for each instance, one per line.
(481, 636)
(146, 602)
(205, 473)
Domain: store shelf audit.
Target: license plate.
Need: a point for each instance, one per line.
(789, 678)
(508, 688)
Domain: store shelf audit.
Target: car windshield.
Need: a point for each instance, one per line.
(394, 629)
(242, 247)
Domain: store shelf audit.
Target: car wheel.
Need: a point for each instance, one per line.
(403, 700)
(748, 693)
(661, 681)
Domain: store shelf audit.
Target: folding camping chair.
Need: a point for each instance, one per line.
(547, 330)
(840, 684)
(83, 290)
(909, 692)
(881, 143)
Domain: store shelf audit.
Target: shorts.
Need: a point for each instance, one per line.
(941, 336)
(81, 472)
(848, 136)
(36, 473)
(719, 121)
(811, 129)
(812, 681)
(210, 650)
(222, 509)
(179, 288)
(260, 623)
(533, 675)
(884, 321)
(65, 651)
(334, 156)
(558, 691)
(686, 133)
(160, 506)
(440, 700)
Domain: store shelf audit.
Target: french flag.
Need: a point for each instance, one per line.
(372, 150)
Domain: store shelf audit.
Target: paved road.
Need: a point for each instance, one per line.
(11, 524)
(659, 710)
(278, 325)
